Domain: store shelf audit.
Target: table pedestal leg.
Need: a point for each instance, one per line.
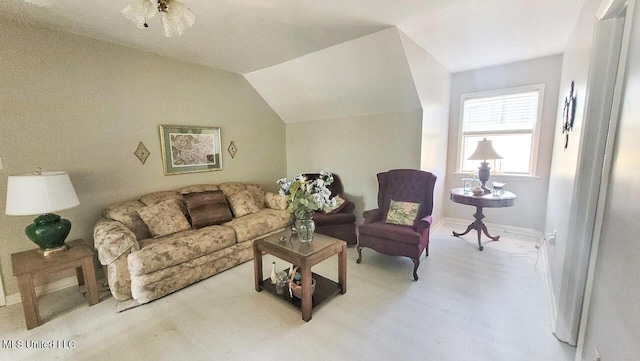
(479, 226)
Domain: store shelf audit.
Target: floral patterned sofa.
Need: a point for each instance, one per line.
(165, 241)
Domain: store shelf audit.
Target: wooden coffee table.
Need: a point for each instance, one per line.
(303, 255)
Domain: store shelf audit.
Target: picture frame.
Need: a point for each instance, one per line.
(190, 149)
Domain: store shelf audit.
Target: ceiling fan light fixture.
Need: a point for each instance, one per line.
(133, 16)
(176, 19)
(176, 16)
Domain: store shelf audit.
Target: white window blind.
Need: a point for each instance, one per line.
(509, 118)
(507, 112)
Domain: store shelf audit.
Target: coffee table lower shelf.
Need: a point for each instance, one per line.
(325, 288)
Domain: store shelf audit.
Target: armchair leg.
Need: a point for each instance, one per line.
(427, 251)
(359, 255)
(416, 264)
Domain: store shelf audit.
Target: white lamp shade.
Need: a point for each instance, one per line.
(485, 151)
(32, 194)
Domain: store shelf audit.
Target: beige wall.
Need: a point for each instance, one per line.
(529, 210)
(356, 148)
(80, 105)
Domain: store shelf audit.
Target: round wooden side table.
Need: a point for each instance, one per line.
(458, 195)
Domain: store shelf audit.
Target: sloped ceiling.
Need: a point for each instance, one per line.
(369, 75)
(247, 35)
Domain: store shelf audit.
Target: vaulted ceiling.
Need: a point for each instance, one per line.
(247, 35)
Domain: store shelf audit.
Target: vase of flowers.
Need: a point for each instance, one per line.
(305, 196)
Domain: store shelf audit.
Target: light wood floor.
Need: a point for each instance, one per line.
(467, 305)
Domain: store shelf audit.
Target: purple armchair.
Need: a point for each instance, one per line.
(402, 185)
(342, 224)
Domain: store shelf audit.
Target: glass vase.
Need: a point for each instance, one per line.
(305, 228)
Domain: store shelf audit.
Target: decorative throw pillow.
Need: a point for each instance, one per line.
(207, 208)
(402, 213)
(340, 203)
(164, 218)
(158, 197)
(257, 193)
(126, 213)
(275, 201)
(242, 203)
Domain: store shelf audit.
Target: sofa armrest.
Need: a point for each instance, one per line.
(348, 208)
(424, 224)
(112, 239)
(275, 201)
(372, 215)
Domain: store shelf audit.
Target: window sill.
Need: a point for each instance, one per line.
(496, 176)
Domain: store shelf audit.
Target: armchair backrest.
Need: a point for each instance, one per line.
(335, 187)
(406, 185)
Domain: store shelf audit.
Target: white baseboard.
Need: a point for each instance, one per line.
(437, 226)
(535, 234)
(44, 289)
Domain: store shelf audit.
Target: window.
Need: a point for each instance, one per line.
(510, 119)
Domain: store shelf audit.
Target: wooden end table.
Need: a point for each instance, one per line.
(31, 264)
(303, 255)
(458, 195)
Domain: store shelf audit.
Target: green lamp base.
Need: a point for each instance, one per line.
(49, 231)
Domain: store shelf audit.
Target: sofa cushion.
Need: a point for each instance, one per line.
(402, 213)
(164, 218)
(197, 188)
(126, 213)
(159, 253)
(242, 203)
(257, 224)
(275, 201)
(207, 208)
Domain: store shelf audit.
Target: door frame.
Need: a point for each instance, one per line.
(608, 10)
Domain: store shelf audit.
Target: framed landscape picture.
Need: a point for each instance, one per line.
(190, 149)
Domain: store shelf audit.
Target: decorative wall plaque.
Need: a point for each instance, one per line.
(232, 149)
(142, 152)
(569, 114)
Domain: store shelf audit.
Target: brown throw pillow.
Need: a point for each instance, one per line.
(164, 218)
(242, 203)
(207, 208)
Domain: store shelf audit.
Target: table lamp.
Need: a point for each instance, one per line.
(483, 152)
(42, 193)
